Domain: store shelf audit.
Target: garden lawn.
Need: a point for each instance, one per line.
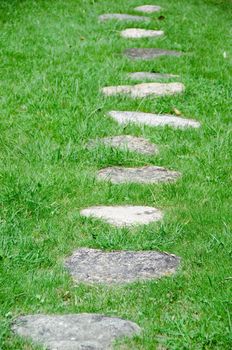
(55, 56)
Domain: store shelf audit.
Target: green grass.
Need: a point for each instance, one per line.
(54, 57)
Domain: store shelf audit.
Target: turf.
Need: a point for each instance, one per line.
(54, 57)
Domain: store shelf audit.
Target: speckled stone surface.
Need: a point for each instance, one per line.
(145, 175)
(125, 117)
(144, 90)
(127, 215)
(126, 142)
(150, 76)
(74, 331)
(136, 33)
(148, 54)
(123, 17)
(118, 267)
(148, 8)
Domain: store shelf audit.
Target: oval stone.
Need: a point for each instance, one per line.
(127, 215)
(123, 17)
(136, 33)
(74, 331)
(119, 267)
(149, 53)
(150, 119)
(144, 175)
(148, 8)
(127, 142)
(144, 90)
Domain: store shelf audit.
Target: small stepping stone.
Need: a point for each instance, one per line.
(150, 76)
(148, 8)
(118, 267)
(153, 119)
(124, 215)
(123, 17)
(74, 331)
(127, 142)
(141, 33)
(144, 175)
(147, 54)
(144, 90)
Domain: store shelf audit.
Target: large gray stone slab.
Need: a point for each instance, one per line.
(137, 33)
(123, 17)
(118, 267)
(150, 119)
(74, 331)
(148, 8)
(149, 53)
(150, 76)
(124, 215)
(144, 175)
(127, 142)
(144, 90)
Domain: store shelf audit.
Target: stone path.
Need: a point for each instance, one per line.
(150, 76)
(97, 266)
(144, 90)
(126, 142)
(93, 331)
(123, 17)
(148, 54)
(127, 215)
(136, 33)
(148, 8)
(74, 332)
(144, 175)
(150, 119)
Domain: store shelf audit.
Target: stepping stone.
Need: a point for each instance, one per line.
(153, 119)
(123, 17)
(124, 215)
(144, 90)
(150, 76)
(141, 33)
(74, 331)
(127, 142)
(147, 54)
(144, 175)
(148, 8)
(118, 267)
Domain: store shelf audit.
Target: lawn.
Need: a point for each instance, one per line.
(55, 56)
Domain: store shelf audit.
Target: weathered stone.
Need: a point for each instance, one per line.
(148, 8)
(74, 331)
(144, 89)
(141, 33)
(123, 17)
(118, 267)
(127, 142)
(124, 117)
(146, 175)
(150, 76)
(124, 215)
(147, 54)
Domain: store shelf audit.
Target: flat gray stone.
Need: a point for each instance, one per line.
(74, 331)
(136, 33)
(124, 215)
(144, 175)
(150, 76)
(124, 117)
(118, 267)
(127, 142)
(148, 54)
(144, 90)
(148, 8)
(123, 17)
